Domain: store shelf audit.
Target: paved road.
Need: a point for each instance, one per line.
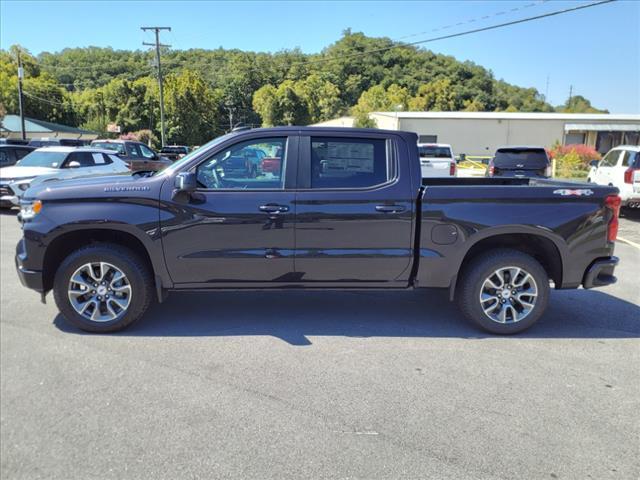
(321, 385)
(630, 225)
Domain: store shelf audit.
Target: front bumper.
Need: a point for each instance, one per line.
(29, 278)
(8, 195)
(600, 273)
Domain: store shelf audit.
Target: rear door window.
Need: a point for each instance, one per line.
(629, 158)
(348, 162)
(85, 159)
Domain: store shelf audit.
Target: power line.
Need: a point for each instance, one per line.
(52, 102)
(476, 19)
(454, 35)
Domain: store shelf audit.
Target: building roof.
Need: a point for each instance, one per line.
(515, 116)
(11, 123)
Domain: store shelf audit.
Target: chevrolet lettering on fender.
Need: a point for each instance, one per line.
(314, 208)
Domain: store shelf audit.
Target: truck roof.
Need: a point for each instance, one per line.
(324, 130)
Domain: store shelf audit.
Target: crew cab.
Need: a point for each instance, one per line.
(348, 209)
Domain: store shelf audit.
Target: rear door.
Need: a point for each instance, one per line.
(354, 221)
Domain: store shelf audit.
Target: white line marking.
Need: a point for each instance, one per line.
(629, 242)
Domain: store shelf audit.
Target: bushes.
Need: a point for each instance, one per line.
(573, 160)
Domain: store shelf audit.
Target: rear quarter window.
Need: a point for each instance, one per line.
(348, 162)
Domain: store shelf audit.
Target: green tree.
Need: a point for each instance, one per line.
(438, 95)
(377, 98)
(192, 109)
(281, 106)
(578, 104)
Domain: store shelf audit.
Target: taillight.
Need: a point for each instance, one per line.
(452, 169)
(492, 168)
(628, 174)
(612, 202)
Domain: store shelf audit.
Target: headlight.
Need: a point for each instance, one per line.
(23, 186)
(30, 210)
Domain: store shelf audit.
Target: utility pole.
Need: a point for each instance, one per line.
(157, 44)
(570, 97)
(20, 97)
(546, 91)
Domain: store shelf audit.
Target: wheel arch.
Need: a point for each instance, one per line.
(70, 240)
(547, 251)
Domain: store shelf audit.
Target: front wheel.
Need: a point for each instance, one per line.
(103, 288)
(504, 291)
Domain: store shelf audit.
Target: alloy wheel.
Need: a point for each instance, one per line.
(99, 291)
(508, 295)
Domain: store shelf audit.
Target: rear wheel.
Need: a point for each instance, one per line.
(103, 288)
(504, 291)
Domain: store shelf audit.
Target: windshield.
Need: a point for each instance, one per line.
(179, 163)
(116, 147)
(43, 158)
(436, 152)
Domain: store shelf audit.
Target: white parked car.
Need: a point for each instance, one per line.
(620, 168)
(436, 160)
(55, 163)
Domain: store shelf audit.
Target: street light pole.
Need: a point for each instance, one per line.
(20, 97)
(157, 44)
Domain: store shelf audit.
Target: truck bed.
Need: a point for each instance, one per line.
(498, 181)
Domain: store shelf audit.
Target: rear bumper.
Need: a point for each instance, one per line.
(600, 273)
(29, 278)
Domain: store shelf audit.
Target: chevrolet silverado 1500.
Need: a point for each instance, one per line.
(347, 209)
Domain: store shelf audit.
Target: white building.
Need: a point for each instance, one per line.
(480, 133)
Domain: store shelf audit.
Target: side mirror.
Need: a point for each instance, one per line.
(74, 164)
(594, 163)
(185, 182)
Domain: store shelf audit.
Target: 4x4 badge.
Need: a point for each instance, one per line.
(577, 192)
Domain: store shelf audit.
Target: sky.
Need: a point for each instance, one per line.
(595, 51)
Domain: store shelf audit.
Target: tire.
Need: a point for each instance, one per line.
(492, 268)
(125, 298)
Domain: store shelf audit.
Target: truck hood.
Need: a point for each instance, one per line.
(111, 186)
(17, 172)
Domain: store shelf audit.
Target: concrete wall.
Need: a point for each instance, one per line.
(482, 137)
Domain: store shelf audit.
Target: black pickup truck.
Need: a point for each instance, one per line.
(347, 209)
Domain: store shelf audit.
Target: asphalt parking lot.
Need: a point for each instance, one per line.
(322, 385)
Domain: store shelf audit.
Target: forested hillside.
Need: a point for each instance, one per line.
(206, 90)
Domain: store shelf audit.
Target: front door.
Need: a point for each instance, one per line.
(237, 229)
(354, 216)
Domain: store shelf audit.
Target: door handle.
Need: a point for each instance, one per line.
(390, 208)
(270, 208)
